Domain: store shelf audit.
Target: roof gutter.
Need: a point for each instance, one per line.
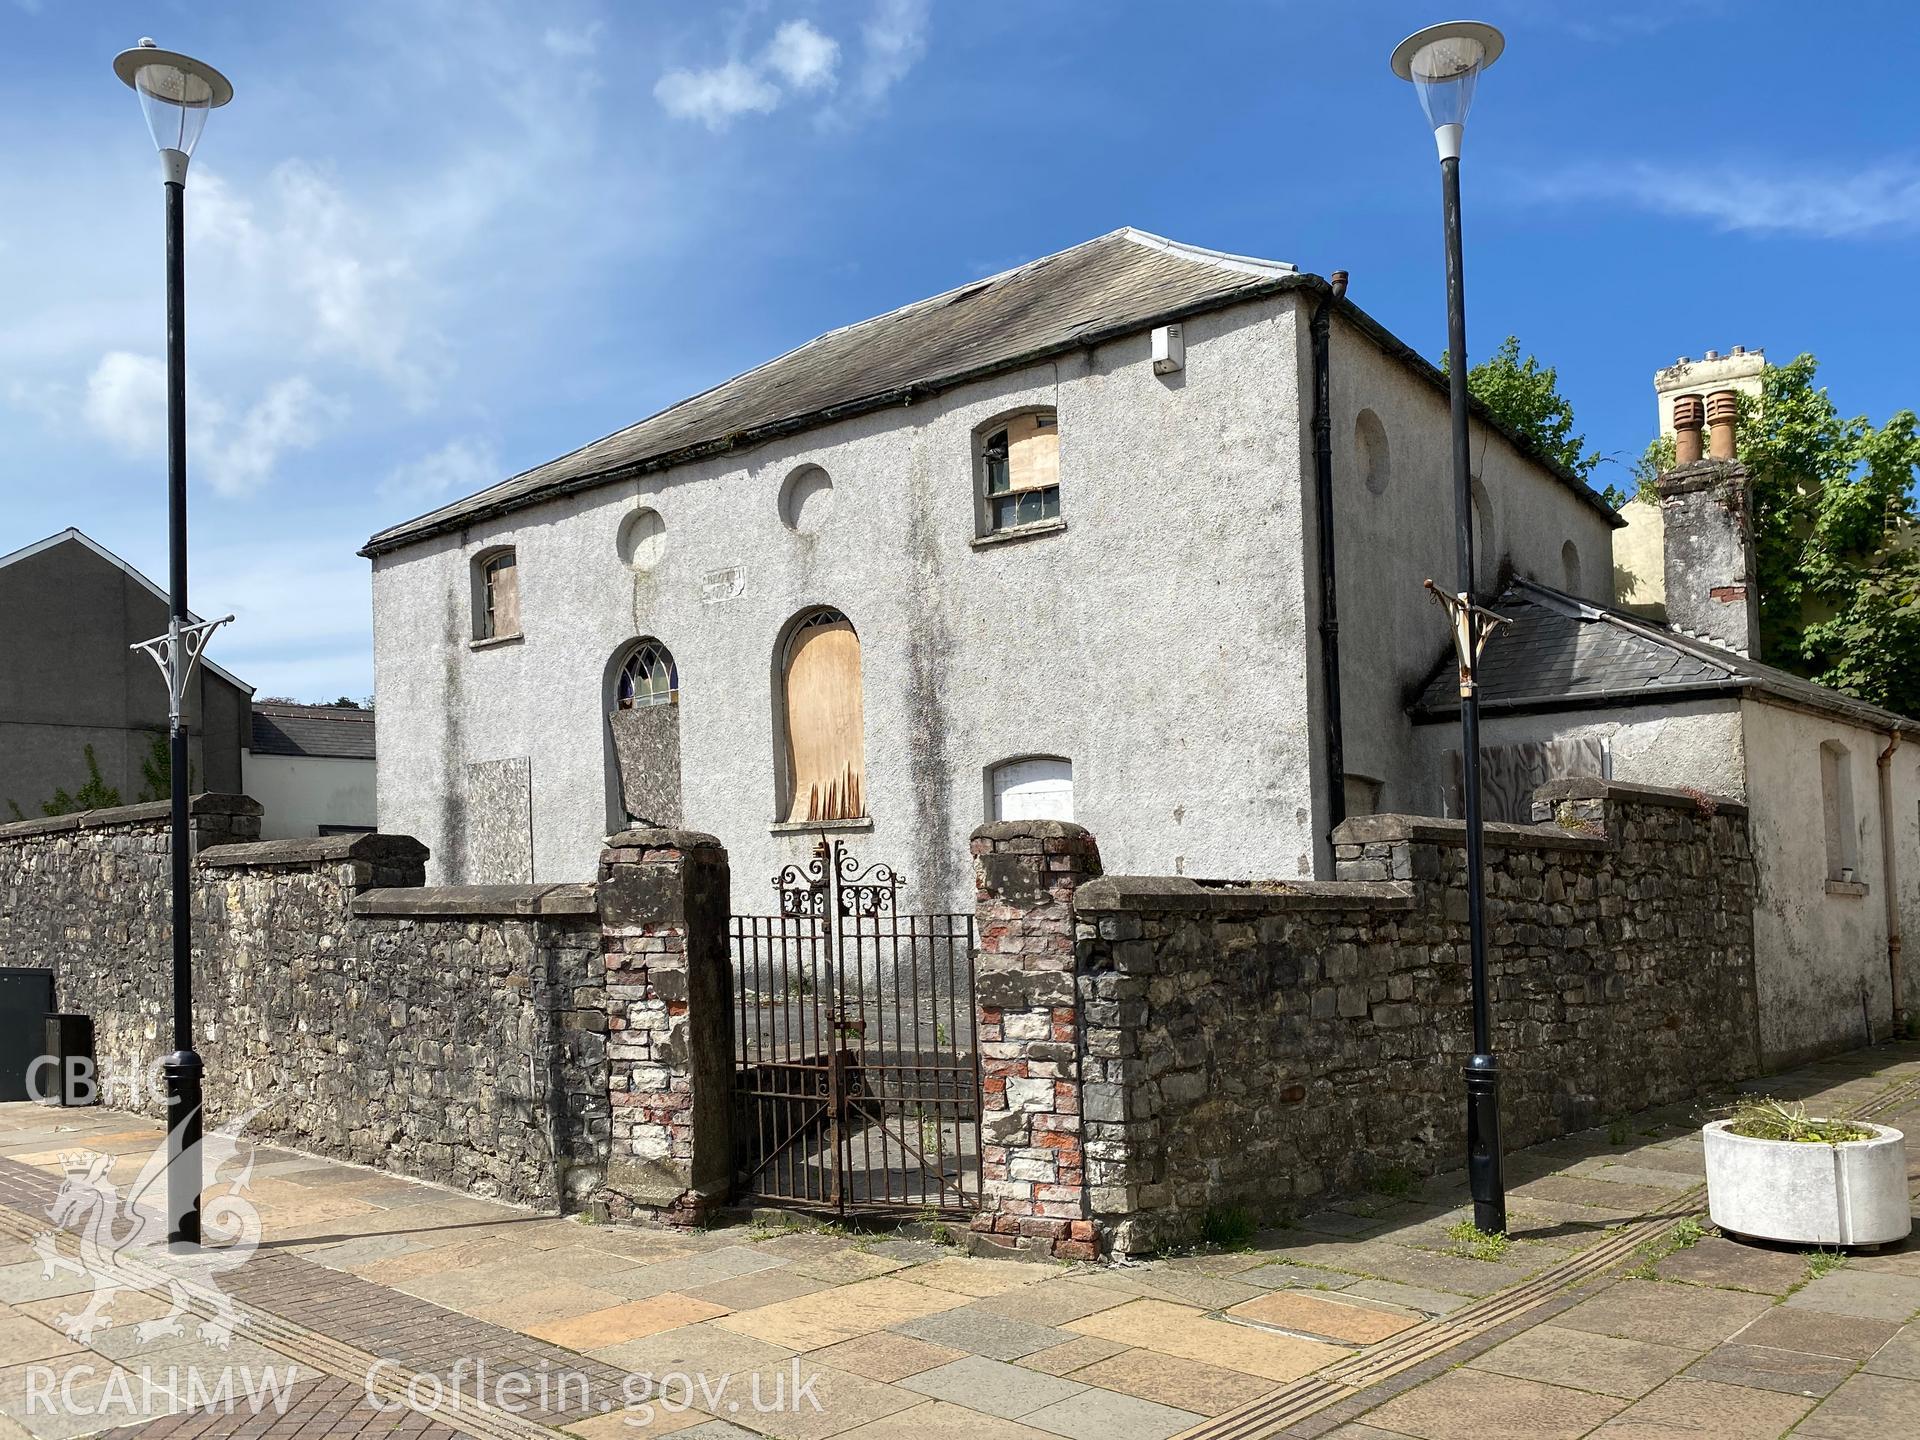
(425, 527)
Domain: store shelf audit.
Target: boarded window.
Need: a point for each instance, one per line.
(646, 735)
(826, 765)
(499, 596)
(1040, 788)
(1021, 472)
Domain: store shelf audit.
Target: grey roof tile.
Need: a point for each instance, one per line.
(1562, 651)
(330, 731)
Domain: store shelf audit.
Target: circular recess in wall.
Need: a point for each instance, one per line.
(806, 500)
(643, 539)
(1370, 444)
(1570, 565)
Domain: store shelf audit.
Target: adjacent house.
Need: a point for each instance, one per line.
(312, 767)
(71, 688)
(1058, 542)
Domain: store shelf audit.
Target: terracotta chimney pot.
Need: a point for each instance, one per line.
(1723, 411)
(1689, 414)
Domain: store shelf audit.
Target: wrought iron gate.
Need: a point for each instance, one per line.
(856, 1079)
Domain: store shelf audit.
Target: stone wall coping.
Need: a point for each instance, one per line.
(429, 900)
(1587, 788)
(1179, 892)
(1426, 829)
(318, 850)
(1029, 830)
(646, 837)
(208, 802)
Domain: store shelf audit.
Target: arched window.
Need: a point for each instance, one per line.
(1570, 564)
(648, 678)
(1039, 787)
(824, 718)
(644, 724)
(496, 595)
(1020, 471)
(1836, 804)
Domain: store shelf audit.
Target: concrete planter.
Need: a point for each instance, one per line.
(1849, 1194)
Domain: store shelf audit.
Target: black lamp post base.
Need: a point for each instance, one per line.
(183, 1072)
(1483, 1145)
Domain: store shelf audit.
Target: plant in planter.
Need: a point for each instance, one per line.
(1776, 1173)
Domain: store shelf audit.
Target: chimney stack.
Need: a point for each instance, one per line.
(1723, 410)
(1689, 414)
(1706, 511)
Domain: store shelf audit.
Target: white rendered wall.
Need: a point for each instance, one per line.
(302, 793)
(1158, 641)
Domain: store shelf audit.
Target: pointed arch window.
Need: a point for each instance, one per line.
(648, 678)
(825, 720)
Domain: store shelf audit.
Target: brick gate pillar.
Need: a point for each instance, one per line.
(663, 900)
(1032, 1168)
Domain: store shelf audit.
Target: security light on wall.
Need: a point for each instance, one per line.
(1443, 61)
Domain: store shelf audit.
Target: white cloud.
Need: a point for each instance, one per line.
(459, 467)
(572, 44)
(805, 57)
(717, 96)
(1882, 200)
(126, 406)
(893, 40)
(126, 403)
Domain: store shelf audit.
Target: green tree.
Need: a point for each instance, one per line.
(96, 794)
(1836, 541)
(1524, 395)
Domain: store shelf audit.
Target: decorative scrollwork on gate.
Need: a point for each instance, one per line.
(804, 889)
(869, 892)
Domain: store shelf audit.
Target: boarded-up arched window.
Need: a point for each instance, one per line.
(825, 750)
(645, 721)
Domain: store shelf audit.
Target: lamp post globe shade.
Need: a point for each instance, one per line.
(176, 92)
(1443, 61)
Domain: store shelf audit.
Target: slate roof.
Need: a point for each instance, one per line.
(1562, 653)
(1118, 284)
(330, 731)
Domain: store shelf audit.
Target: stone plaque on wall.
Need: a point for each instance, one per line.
(500, 822)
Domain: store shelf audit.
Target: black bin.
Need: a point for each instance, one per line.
(26, 999)
(70, 1042)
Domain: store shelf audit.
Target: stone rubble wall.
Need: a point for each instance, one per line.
(455, 1033)
(1249, 1047)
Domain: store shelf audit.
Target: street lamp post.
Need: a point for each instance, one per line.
(1443, 61)
(177, 93)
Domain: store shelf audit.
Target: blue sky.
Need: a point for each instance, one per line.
(431, 244)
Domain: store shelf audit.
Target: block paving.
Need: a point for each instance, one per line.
(1366, 1321)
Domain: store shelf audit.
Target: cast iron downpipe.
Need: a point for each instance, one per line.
(1890, 882)
(1329, 592)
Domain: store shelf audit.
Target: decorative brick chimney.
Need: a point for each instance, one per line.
(1706, 510)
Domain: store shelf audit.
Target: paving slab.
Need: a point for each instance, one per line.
(1663, 1314)
(976, 1278)
(1764, 1368)
(1873, 1295)
(1071, 1355)
(993, 1386)
(1108, 1415)
(1343, 1322)
(835, 1400)
(939, 1420)
(1730, 1265)
(614, 1324)
(1817, 1332)
(1053, 1302)
(814, 1321)
(1171, 1380)
(1409, 1297)
(1604, 1364)
(1900, 1356)
(702, 1349)
(1480, 1405)
(762, 1287)
(639, 1281)
(1186, 1331)
(886, 1356)
(1707, 1410)
(983, 1332)
(1866, 1405)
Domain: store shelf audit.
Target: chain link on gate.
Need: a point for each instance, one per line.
(856, 1079)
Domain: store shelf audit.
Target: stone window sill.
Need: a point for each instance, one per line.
(1019, 532)
(494, 642)
(1847, 887)
(808, 827)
